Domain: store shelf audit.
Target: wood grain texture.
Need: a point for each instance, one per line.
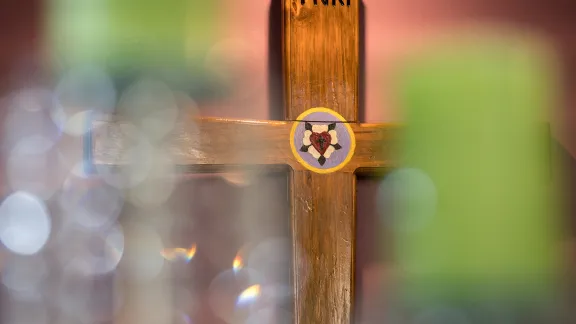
(205, 143)
(321, 57)
(323, 216)
(321, 70)
(217, 144)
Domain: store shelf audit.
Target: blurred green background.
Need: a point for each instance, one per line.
(168, 40)
(477, 212)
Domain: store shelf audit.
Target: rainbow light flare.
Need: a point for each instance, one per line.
(176, 254)
(249, 295)
(237, 264)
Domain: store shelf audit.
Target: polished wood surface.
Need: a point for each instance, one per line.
(219, 144)
(321, 70)
(323, 217)
(321, 57)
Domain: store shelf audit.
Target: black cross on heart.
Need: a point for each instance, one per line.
(320, 141)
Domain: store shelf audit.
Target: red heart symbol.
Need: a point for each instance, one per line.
(321, 141)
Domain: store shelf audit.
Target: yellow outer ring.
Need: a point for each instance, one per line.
(302, 161)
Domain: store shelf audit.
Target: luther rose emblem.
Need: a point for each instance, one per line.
(322, 141)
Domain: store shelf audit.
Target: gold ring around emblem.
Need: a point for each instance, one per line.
(304, 158)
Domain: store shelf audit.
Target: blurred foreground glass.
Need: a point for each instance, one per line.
(476, 217)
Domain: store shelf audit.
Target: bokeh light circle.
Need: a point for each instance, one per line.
(82, 91)
(151, 106)
(140, 162)
(24, 277)
(29, 115)
(25, 223)
(35, 167)
(90, 202)
(158, 185)
(271, 258)
(93, 253)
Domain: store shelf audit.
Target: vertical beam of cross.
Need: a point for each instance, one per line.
(321, 58)
(321, 70)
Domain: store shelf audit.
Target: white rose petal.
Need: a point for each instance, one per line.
(329, 151)
(319, 128)
(313, 151)
(306, 140)
(334, 137)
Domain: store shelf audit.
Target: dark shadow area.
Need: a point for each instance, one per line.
(373, 249)
(20, 31)
(362, 64)
(275, 81)
(566, 163)
(564, 171)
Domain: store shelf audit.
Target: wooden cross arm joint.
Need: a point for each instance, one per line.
(217, 144)
(323, 205)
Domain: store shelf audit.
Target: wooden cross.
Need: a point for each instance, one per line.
(321, 69)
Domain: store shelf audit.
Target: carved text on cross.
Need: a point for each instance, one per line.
(327, 2)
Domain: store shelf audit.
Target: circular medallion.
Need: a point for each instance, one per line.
(322, 141)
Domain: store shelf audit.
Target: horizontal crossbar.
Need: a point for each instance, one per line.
(206, 145)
